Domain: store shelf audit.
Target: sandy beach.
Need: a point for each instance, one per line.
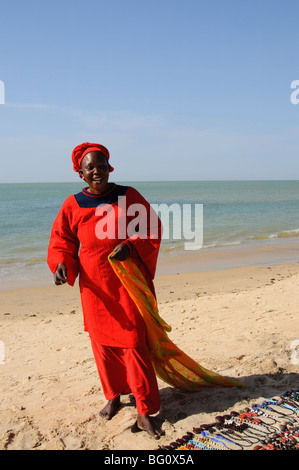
(241, 322)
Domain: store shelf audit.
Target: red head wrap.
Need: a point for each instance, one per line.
(80, 151)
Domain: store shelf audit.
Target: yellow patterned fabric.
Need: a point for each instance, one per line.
(171, 364)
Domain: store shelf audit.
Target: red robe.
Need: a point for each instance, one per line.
(83, 236)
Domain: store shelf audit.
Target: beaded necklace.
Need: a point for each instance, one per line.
(220, 439)
(272, 425)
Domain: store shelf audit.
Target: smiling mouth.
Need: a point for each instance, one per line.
(97, 180)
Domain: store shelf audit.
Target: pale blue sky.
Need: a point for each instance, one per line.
(176, 89)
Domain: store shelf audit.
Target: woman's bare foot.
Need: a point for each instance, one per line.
(147, 424)
(110, 409)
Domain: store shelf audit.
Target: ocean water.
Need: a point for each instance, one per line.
(234, 213)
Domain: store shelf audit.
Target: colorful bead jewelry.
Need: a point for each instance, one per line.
(249, 428)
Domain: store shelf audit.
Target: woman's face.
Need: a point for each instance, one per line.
(95, 172)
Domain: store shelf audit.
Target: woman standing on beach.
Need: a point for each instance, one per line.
(89, 226)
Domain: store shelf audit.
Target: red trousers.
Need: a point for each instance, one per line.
(128, 370)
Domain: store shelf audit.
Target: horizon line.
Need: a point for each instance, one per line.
(154, 181)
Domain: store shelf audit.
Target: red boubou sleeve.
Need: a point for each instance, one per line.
(64, 244)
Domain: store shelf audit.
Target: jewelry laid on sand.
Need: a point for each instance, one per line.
(271, 425)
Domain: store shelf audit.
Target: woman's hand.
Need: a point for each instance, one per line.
(121, 252)
(60, 275)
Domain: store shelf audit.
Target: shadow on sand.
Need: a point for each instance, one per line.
(177, 405)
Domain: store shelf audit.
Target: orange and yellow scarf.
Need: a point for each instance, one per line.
(171, 364)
